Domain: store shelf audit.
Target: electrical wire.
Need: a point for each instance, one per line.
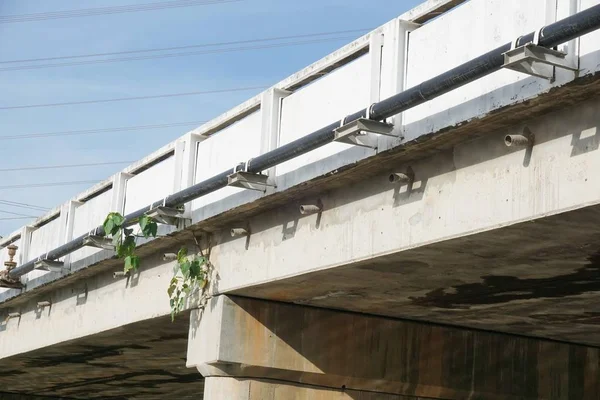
(23, 205)
(64, 166)
(101, 130)
(171, 55)
(216, 44)
(88, 12)
(6, 219)
(19, 214)
(69, 103)
(36, 185)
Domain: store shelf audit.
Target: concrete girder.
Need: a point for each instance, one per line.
(238, 337)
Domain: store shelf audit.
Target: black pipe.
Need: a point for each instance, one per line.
(551, 35)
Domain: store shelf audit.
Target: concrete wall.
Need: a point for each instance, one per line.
(151, 185)
(372, 67)
(475, 186)
(87, 217)
(224, 150)
(342, 92)
(82, 308)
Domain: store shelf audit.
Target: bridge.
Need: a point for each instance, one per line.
(414, 216)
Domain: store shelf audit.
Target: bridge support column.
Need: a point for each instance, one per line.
(269, 350)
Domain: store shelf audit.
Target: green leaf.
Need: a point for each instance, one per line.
(182, 254)
(128, 231)
(108, 226)
(113, 222)
(185, 268)
(148, 226)
(152, 229)
(128, 265)
(132, 262)
(116, 241)
(171, 289)
(127, 248)
(195, 269)
(144, 219)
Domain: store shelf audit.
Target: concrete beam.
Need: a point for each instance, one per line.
(242, 337)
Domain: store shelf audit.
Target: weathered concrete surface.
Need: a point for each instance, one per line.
(471, 190)
(219, 388)
(145, 360)
(94, 303)
(16, 396)
(242, 337)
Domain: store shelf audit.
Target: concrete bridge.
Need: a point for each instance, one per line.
(452, 252)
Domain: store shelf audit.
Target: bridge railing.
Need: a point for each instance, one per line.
(395, 56)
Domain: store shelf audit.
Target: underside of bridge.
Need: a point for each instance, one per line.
(144, 360)
(538, 278)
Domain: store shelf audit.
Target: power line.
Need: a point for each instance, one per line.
(133, 98)
(23, 205)
(101, 130)
(19, 214)
(36, 185)
(5, 219)
(171, 55)
(117, 53)
(88, 12)
(64, 166)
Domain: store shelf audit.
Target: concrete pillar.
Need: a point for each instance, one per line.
(256, 339)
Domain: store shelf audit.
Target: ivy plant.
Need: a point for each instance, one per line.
(190, 274)
(124, 238)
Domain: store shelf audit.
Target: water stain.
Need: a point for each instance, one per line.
(586, 318)
(93, 354)
(498, 289)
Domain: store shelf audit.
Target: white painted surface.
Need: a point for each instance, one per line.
(151, 185)
(88, 216)
(329, 99)
(233, 145)
(44, 239)
(459, 36)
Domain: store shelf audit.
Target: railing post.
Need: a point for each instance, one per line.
(70, 223)
(270, 108)
(185, 165)
(26, 232)
(393, 72)
(117, 203)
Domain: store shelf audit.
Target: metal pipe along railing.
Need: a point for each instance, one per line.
(549, 36)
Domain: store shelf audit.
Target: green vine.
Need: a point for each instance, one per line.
(124, 239)
(190, 274)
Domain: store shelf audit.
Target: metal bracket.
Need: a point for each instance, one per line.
(49, 265)
(166, 215)
(247, 180)
(537, 61)
(99, 242)
(357, 132)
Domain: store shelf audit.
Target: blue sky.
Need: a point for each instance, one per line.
(247, 19)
